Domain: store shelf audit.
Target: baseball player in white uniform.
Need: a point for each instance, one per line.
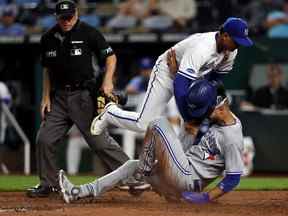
(5, 97)
(174, 173)
(203, 55)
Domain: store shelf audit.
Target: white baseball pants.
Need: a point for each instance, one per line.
(158, 94)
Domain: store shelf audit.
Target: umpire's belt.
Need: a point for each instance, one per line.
(71, 87)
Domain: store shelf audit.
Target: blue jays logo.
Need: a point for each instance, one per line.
(209, 146)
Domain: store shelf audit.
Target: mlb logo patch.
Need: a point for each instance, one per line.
(64, 6)
(76, 52)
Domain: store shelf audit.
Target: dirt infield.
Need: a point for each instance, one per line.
(122, 204)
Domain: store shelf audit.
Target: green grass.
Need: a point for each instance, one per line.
(20, 183)
(264, 183)
(261, 183)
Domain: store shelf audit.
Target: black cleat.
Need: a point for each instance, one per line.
(41, 191)
(135, 187)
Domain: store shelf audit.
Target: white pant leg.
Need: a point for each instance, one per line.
(172, 112)
(73, 154)
(3, 127)
(129, 143)
(159, 92)
(172, 109)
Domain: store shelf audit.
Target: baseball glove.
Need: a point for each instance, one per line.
(102, 100)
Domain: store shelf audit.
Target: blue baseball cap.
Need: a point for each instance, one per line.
(237, 29)
(146, 63)
(201, 98)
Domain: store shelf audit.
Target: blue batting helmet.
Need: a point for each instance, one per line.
(201, 99)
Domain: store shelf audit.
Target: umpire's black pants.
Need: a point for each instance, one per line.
(68, 107)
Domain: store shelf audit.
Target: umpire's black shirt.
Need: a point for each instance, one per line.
(68, 56)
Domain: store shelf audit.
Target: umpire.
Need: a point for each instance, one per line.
(67, 50)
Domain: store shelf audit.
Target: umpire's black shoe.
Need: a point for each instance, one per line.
(41, 191)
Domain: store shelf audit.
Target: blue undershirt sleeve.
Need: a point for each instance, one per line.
(181, 86)
(229, 182)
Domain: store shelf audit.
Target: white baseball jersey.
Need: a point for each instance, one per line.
(4, 96)
(197, 56)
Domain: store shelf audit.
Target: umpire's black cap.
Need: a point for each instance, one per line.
(65, 8)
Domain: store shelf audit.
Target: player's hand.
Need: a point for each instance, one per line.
(107, 87)
(194, 197)
(45, 107)
(172, 62)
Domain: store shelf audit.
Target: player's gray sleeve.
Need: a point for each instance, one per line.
(233, 159)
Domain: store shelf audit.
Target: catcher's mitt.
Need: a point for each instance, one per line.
(102, 100)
